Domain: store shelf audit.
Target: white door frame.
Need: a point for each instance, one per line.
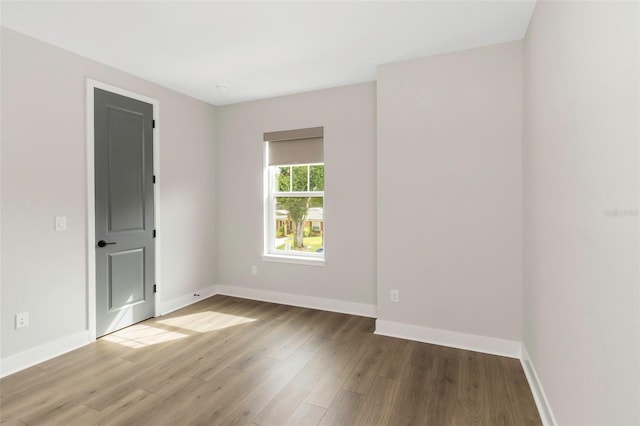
(91, 195)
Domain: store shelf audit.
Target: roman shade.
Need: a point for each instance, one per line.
(299, 146)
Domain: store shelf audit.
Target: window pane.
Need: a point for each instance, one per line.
(316, 178)
(316, 202)
(299, 224)
(300, 178)
(284, 179)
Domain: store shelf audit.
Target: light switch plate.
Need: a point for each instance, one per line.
(61, 223)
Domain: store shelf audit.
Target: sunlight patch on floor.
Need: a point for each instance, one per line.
(203, 322)
(140, 336)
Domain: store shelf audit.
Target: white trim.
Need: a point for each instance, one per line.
(471, 342)
(333, 305)
(300, 260)
(186, 300)
(267, 234)
(299, 194)
(91, 217)
(544, 408)
(90, 179)
(41, 353)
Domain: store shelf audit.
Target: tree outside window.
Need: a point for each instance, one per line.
(298, 217)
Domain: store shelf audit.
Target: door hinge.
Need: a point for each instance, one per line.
(154, 178)
(153, 123)
(155, 288)
(154, 233)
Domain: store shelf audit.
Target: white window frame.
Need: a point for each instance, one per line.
(270, 253)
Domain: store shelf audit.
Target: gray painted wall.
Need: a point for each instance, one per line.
(582, 283)
(44, 174)
(446, 222)
(348, 116)
(450, 191)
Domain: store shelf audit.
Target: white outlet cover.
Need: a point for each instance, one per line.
(22, 320)
(61, 223)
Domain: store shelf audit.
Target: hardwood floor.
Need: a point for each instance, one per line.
(233, 361)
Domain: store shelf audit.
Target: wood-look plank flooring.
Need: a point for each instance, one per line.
(232, 361)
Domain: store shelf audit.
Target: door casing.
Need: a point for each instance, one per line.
(91, 84)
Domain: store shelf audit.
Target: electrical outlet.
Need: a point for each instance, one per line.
(394, 296)
(22, 320)
(61, 223)
(254, 270)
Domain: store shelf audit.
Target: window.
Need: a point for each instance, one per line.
(294, 201)
(297, 199)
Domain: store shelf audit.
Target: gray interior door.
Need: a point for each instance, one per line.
(124, 211)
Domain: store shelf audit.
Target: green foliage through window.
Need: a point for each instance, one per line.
(300, 220)
(284, 179)
(316, 178)
(303, 178)
(300, 178)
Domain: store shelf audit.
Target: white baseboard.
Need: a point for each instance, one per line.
(186, 300)
(471, 342)
(33, 356)
(544, 409)
(333, 305)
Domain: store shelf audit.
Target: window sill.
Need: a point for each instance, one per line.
(311, 261)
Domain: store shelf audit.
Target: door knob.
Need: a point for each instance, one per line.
(103, 243)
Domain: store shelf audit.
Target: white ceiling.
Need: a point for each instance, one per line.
(264, 49)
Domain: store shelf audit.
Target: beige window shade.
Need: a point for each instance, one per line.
(299, 146)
